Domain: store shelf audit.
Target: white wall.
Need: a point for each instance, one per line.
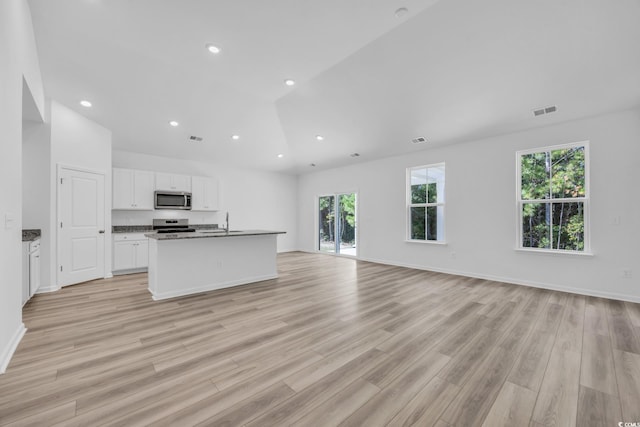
(481, 209)
(254, 200)
(78, 142)
(18, 61)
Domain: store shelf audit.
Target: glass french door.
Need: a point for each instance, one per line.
(337, 224)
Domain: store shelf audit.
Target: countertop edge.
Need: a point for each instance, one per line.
(201, 235)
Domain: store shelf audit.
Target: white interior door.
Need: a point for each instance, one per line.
(81, 226)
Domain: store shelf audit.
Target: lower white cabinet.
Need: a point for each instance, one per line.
(130, 252)
(30, 269)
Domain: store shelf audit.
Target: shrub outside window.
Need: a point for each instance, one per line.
(425, 203)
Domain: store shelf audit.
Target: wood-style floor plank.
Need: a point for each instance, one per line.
(558, 396)
(336, 409)
(380, 409)
(597, 371)
(627, 367)
(331, 341)
(597, 409)
(472, 404)
(513, 407)
(428, 404)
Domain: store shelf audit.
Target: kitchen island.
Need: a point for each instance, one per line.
(193, 262)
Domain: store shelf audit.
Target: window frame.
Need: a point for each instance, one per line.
(586, 200)
(410, 205)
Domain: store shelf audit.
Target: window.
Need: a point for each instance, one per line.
(553, 198)
(425, 203)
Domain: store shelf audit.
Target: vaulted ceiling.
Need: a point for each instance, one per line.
(367, 80)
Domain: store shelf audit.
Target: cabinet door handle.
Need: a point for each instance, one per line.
(101, 231)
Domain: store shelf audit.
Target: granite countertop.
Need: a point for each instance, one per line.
(149, 228)
(218, 233)
(30, 235)
(131, 228)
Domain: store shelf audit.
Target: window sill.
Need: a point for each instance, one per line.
(555, 252)
(428, 242)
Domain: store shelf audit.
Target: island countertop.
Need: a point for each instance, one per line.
(199, 234)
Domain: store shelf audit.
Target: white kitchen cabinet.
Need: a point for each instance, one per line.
(30, 269)
(133, 189)
(34, 268)
(130, 252)
(25, 272)
(172, 182)
(204, 193)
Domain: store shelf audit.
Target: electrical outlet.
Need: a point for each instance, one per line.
(616, 220)
(453, 255)
(626, 273)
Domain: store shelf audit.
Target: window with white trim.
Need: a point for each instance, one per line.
(425, 203)
(553, 198)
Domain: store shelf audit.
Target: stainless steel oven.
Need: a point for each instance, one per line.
(172, 200)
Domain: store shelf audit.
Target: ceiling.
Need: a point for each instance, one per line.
(366, 80)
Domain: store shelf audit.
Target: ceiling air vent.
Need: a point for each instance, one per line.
(546, 110)
(193, 138)
(419, 140)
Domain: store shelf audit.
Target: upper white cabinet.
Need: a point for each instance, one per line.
(204, 193)
(172, 182)
(133, 189)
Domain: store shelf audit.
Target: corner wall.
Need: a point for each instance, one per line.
(481, 213)
(77, 142)
(18, 61)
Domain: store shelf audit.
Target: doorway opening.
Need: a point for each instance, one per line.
(337, 220)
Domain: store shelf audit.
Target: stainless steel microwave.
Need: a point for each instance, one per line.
(172, 200)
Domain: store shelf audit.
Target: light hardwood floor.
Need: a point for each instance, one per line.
(333, 341)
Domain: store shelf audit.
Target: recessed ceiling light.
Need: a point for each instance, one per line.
(235, 137)
(289, 82)
(401, 12)
(280, 156)
(85, 103)
(213, 48)
(320, 137)
(174, 123)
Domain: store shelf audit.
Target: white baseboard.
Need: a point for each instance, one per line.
(7, 352)
(48, 289)
(130, 271)
(212, 287)
(532, 284)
